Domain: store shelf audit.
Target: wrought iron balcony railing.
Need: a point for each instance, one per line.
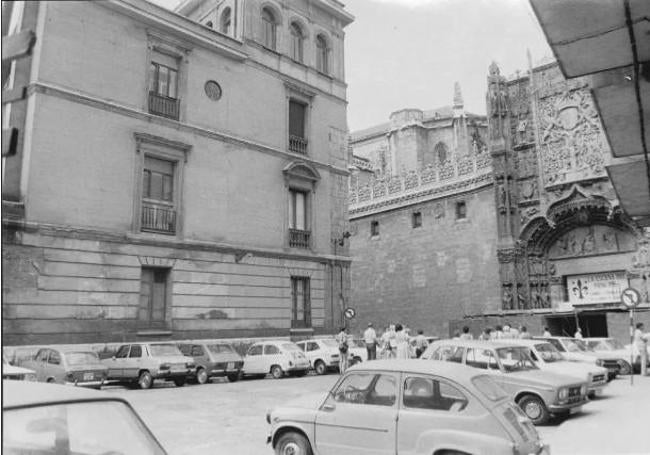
(297, 144)
(299, 238)
(163, 106)
(157, 218)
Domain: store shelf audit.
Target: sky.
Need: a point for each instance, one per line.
(409, 53)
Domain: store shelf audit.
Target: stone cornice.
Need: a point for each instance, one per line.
(133, 238)
(422, 195)
(111, 106)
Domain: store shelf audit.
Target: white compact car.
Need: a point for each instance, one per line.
(548, 357)
(275, 357)
(323, 354)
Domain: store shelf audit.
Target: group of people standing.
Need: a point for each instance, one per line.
(500, 332)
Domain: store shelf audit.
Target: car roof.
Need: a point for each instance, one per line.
(451, 370)
(472, 343)
(27, 393)
(522, 342)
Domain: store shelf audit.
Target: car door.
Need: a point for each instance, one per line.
(134, 362)
(39, 364)
(359, 416)
(55, 368)
(116, 363)
(303, 348)
(272, 356)
(431, 408)
(253, 360)
(314, 352)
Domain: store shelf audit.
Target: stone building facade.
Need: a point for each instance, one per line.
(544, 241)
(181, 174)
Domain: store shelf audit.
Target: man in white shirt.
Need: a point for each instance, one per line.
(370, 338)
(640, 347)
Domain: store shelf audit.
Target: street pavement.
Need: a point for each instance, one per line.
(229, 418)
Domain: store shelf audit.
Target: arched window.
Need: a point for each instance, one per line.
(296, 42)
(270, 27)
(441, 152)
(226, 21)
(322, 63)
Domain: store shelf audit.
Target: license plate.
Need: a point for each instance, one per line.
(89, 376)
(231, 366)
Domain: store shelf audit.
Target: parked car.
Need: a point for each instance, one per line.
(577, 350)
(52, 419)
(143, 363)
(323, 354)
(275, 357)
(405, 406)
(68, 366)
(612, 349)
(539, 393)
(16, 373)
(357, 351)
(547, 357)
(213, 360)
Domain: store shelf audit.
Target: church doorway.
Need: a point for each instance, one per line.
(591, 324)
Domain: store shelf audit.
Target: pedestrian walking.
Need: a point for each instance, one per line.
(370, 338)
(466, 335)
(640, 347)
(507, 332)
(578, 334)
(547, 333)
(401, 343)
(392, 342)
(523, 333)
(498, 333)
(342, 340)
(421, 344)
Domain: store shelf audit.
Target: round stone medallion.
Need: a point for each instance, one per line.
(213, 90)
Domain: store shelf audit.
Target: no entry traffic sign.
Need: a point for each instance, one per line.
(630, 297)
(350, 313)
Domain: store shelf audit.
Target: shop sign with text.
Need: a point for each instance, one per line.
(596, 288)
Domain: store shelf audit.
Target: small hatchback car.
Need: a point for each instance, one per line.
(143, 363)
(539, 393)
(275, 357)
(578, 351)
(405, 406)
(323, 354)
(68, 366)
(213, 360)
(52, 419)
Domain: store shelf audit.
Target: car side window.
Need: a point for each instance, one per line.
(448, 354)
(185, 349)
(122, 352)
(54, 358)
(428, 393)
(271, 349)
(197, 350)
(255, 350)
(534, 356)
(367, 388)
(42, 355)
(136, 351)
(311, 346)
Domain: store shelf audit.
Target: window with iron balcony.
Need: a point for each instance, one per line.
(163, 86)
(158, 205)
(299, 234)
(297, 127)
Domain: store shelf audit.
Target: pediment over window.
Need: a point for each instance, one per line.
(300, 172)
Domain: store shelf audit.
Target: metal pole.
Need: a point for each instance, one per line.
(631, 346)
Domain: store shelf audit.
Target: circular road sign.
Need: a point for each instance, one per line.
(349, 313)
(630, 297)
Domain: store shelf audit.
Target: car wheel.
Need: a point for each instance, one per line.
(320, 367)
(624, 367)
(276, 372)
(179, 382)
(234, 377)
(292, 444)
(201, 376)
(145, 380)
(355, 360)
(50, 381)
(534, 408)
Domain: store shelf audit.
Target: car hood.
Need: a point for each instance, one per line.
(308, 401)
(10, 369)
(542, 378)
(578, 369)
(613, 355)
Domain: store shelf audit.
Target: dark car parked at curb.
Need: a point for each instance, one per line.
(213, 360)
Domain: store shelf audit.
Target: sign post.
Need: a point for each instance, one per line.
(630, 297)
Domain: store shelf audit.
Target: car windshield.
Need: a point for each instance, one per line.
(575, 345)
(164, 350)
(489, 388)
(331, 343)
(221, 349)
(290, 347)
(89, 428)
(81, 358)
(548, 352)
(611, 344)
(515, 358)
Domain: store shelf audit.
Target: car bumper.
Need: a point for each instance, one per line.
(221, 372)
(557, 408)
(172, 374)
(298, 367)
(597, 389)
(86, 383)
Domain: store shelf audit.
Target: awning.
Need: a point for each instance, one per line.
(592, 37)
